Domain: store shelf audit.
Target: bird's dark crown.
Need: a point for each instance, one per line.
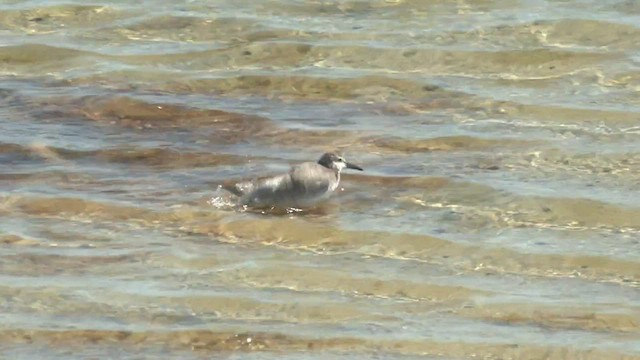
(328, 159)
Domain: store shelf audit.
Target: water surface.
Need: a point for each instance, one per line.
(498, 216)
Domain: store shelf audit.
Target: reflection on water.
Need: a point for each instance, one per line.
(499, 216)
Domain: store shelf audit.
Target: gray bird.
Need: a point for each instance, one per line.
(305, 185)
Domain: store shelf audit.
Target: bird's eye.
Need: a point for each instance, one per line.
(341, 159)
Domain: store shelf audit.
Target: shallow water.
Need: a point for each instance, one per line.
(498, 216)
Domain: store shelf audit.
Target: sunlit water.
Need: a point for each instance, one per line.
(498, 216)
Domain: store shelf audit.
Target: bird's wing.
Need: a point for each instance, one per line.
(246, 186)
(310, 178)
(238, 188)
(266, 191)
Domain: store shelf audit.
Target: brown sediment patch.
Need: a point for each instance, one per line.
(405, 96)
(586, 32)
(221, 127)
(12, 148)
(309, 87)
(397, 9)
(29, 54)
(220, 29)
(563, 116)
(239, 308)
(208, 341)
(559, 34)
(14, 153)
(326, 8)
(556, 318)
(448, 143)
(73, 179)
(555, 160)
(45, 265)
(17, 240)
(37, 59)
(576, 212)
(130, 112)
(301, 235)
(513, 210)
(518, 210)
(119, 306)
(533, 63)
(322, 279)
(74, 208)
(95, 211)
(629, 78)
(160, 158)
(45, 19)
(320, 140)
(422, 182)
(627, 8)
(297, 234)
(353, 140)
(523, 64)
(276, 54)
(22, 153)
(384, 89)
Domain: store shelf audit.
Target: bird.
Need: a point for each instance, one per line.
(304, 186)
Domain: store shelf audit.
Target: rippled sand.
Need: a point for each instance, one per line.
(498, 216)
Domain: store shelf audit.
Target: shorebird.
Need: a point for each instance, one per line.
(305, 185)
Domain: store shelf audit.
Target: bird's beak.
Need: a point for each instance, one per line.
(353, 166)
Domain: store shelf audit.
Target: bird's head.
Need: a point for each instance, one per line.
(333, 161)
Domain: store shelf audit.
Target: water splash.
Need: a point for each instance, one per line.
(222, 200)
